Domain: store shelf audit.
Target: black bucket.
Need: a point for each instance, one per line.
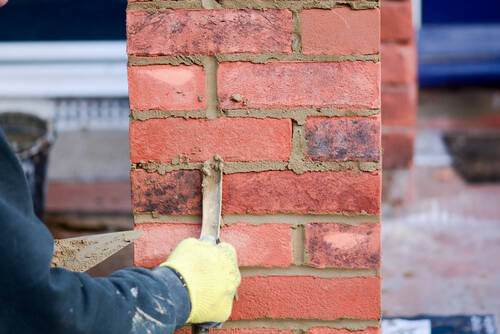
(31, 138)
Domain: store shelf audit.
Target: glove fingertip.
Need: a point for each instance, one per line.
(227, 248)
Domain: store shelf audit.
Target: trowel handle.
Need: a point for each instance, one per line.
(210, 238)
(197, 329)
(204, 327)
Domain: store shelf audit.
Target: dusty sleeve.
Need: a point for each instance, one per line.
(37, 299)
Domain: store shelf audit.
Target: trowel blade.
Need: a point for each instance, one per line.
(212, 199)
(82, 253)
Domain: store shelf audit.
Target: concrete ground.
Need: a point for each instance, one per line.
(441, 252)
(441, 235)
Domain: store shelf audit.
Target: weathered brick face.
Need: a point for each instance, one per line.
(399, 83)
(180, 32)
(343, 139)
(288, 93)
(342, 245)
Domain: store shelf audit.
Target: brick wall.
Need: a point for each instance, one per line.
(399, 83)
(288, 93)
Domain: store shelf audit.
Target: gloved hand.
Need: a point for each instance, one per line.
(212, 276)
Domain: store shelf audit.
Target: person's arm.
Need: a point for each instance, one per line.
(37, 299)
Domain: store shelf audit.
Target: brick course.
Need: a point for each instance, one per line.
(285, 85)
(270, 192)
(242, 331)
(239, 139)
(188, 32)
(305, 297)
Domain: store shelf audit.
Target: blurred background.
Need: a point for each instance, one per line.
(63, 79)
(65, 62)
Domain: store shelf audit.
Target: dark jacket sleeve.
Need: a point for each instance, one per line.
(37, 299)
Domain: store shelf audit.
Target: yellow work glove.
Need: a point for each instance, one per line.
(212, 276)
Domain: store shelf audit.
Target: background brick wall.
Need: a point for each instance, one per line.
(399, 83)
(288, 93)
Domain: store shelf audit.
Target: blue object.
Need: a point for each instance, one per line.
(459, 55)
(458, 324)
(460, 11)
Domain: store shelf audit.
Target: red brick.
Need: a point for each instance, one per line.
(341, 31)
(305, 297)
(314, 192)
(342, 245)
(397, 23)
(166, 87)
(397, 150)
(327, 330)
(266, 245)
(235, 139)
(399, 63)
(399, 105)
(241, 331)
(175, 193)
(343, 139)
(270, 192)
(188, 32)
(96, 197)
(295, 84)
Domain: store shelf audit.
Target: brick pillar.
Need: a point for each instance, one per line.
(399, 83)
(288, 93)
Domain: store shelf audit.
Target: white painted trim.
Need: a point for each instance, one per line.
(63, 51)
(63, 69)
(417, 14)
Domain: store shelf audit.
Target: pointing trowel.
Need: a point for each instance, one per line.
(82, 253)
(211, 215)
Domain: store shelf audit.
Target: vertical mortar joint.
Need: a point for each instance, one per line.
(299, 244)
(211, 66)
(299, 148)
(296, 32)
